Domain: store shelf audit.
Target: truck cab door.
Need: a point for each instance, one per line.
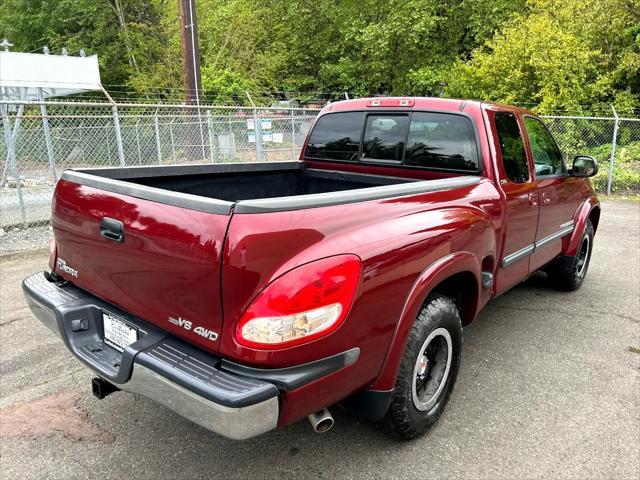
(518, 186)
(560, 194)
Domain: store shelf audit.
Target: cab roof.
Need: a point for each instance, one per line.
(418, 103)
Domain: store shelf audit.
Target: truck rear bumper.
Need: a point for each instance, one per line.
(158, 365)
(237, 423)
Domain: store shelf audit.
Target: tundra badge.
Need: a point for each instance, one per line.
(62, 265)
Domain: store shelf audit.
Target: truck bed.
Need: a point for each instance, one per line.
(236, 182)
(253, 185)
(249, 187)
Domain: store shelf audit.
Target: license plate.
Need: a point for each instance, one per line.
(117, 333)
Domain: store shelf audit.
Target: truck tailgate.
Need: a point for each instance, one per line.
(166, 270)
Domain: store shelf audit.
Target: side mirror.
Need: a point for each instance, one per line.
(584, 166)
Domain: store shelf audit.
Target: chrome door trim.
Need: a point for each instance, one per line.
(548, 239)
(530, 249)
(517, 255)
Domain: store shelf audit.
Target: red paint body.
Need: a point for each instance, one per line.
(209, 267)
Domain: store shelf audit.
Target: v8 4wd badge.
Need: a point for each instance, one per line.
(188, 325)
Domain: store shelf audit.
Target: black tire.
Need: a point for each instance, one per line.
(404, 419)
(568, 273)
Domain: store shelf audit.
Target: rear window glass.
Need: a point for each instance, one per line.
(336, 136)
(384, 137)
(419, 139)
(444, 141)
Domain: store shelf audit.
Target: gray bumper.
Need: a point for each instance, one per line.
(160, 366)
(237, 423)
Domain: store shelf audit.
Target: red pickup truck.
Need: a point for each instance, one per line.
(248, 296)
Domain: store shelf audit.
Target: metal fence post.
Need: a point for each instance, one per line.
(11, 148)
(210, 130)
(613, 149)
(47, 135)
(257, 127)
(156, 127)
(116, 126)
(108, 140)
(173, 145)
(138, 142)
(293, 129)
(227, 152)
(12, 162)
(202, 144)
(82, 142)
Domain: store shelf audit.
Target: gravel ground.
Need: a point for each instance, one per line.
(36, 200)
(549, 387)
(17, 239)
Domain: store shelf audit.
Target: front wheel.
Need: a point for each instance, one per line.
(568, 273)
(428, 371)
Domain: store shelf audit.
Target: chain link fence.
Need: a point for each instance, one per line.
(614, 142)
(42, 139)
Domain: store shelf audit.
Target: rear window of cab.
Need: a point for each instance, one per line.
(431, 140)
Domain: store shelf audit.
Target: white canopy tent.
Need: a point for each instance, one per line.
(34, 77)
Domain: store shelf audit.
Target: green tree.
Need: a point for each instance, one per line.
(129, 36)
(559, 54)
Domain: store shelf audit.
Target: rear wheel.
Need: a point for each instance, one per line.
(568, 273)
(428, 371)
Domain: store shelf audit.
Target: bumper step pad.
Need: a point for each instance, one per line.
(192, 369)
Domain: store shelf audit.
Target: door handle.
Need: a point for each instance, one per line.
(533, 199)
(112, 229)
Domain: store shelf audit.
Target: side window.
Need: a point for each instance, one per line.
(546, 154)
(385, 136)
(336, 136)
(438, 140)
(514, 157)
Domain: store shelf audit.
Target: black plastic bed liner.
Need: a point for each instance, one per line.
(235, 182)
(254, 187)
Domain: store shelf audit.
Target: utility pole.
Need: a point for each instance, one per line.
(191, 67)
(190, 51)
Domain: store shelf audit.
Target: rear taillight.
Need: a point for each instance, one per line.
(302, 305)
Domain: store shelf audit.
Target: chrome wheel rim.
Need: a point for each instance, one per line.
(431, 370)
(583, 255)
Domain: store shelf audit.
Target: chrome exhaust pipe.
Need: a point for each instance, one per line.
(321, 421)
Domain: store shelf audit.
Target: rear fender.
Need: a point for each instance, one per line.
(436, 273)
(580, 222)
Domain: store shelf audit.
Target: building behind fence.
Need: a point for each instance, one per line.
(42, 139)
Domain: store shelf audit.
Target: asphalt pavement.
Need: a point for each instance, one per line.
(549, 387)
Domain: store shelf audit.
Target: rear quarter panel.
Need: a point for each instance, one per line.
(396, 239)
